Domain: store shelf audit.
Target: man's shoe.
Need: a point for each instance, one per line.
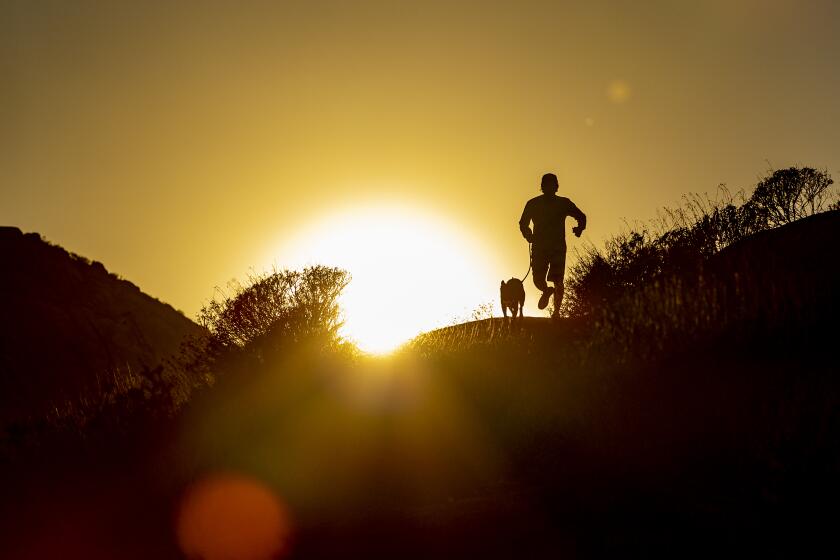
(546, 295)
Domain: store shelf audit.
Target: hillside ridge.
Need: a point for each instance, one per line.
(795, 253)
(69, 325)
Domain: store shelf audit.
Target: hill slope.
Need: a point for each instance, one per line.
(68, 325)
(696, 414)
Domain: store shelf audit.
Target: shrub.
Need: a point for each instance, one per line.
(684, 238)
(276, 309)
(790, 194)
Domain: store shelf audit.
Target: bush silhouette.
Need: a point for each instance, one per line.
(684, 238)
(276, 310)
(790, 194)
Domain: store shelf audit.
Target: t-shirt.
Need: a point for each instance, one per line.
(549, 212)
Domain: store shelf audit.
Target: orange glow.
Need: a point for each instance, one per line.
(412, 271)
(230, 516)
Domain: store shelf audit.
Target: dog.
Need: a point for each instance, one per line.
(512, 295)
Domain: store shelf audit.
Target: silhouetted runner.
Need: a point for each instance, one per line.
(548, 251)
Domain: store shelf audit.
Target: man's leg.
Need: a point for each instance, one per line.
(539, 275)
(556, 272)
(540, 267)
(558, 297)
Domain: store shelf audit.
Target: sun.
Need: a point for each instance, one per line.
(411, 270)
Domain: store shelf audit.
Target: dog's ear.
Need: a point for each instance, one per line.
(502, 284)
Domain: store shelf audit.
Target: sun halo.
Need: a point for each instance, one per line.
(411, 271)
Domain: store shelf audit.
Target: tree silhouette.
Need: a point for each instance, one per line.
(275, 310)
(790, 194)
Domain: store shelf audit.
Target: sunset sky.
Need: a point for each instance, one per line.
(183, 144)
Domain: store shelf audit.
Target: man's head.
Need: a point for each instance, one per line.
(549, 183)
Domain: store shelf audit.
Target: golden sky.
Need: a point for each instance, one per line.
(183, 143)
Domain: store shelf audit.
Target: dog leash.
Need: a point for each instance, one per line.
(530, 261)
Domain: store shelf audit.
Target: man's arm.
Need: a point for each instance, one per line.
(580, 217)
(525, 224)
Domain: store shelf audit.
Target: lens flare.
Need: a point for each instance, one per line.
(230, 516)
(618, 91)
